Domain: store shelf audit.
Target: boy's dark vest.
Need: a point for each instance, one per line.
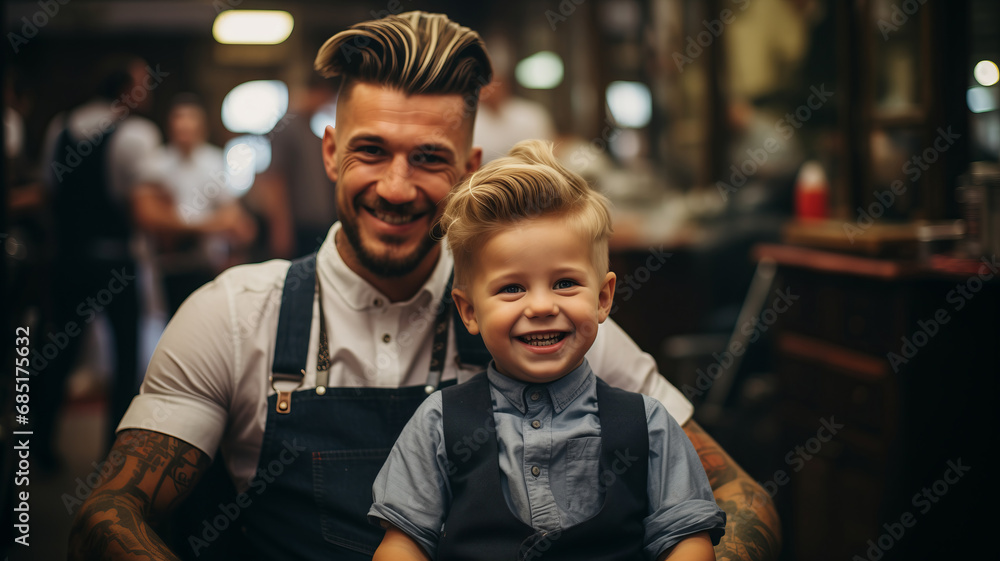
(481, 526)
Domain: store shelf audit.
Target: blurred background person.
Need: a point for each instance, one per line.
(94, 156)
(504, 119)
(299, 203)
(197, 225)
(25, 238)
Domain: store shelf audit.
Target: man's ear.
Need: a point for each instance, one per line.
(606, 296)
(330, 152)
(465, 310)
(475, 160)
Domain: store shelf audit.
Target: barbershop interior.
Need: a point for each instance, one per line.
(806, 205)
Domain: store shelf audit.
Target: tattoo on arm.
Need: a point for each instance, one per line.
(753, 531)
(719, 467)
(152, 473)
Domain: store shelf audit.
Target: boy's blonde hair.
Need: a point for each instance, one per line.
(414, 52)
(528, 183)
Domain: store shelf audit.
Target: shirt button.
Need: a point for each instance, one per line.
(536, 424)
(386, 338)
(377, 302)
(535, 471)
(535, 396)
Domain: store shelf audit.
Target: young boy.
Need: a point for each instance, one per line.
(537, 458)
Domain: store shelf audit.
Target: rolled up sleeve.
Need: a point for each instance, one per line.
(411, 491)
(680, 498)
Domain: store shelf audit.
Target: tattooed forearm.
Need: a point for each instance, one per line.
(720, 468)
(154, 473)
(115, 531)
(753, 531)
(749, 512)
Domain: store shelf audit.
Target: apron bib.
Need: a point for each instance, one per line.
(323, 447)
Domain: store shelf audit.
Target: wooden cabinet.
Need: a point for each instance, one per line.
(864, 347)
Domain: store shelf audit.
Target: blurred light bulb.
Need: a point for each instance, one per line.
(252, 27)
(986, 73)
(981, 100)
(540, 71)
(631, 103)
(255, 107)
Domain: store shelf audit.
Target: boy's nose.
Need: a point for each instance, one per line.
(541, 304)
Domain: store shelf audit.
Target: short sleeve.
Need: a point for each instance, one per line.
(619, 361)
(189, 382)
(411, 491)
(680, 497)
(134, 147)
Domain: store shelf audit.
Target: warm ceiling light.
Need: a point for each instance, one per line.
(986, 73)
(252, 27)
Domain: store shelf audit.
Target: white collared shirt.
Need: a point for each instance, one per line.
(207, 382)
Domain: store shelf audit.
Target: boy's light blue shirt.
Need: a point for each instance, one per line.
(553, 427)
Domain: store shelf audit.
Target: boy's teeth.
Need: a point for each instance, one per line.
(541, 340)
(393, 218)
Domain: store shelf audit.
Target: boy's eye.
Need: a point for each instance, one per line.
(564, 284)
(511, 289)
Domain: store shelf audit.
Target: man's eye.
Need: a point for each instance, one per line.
(420, 158)
(511, 289)
(370, 150)
(564, 284)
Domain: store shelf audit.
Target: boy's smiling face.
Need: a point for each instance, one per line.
(536, 298)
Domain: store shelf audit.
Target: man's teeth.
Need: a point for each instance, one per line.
(542, 339)
(393, 218)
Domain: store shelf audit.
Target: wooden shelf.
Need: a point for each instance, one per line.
(830, 262)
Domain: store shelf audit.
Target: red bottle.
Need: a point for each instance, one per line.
(812, 192)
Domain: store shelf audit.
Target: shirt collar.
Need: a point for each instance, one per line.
(361, 296)
(562, 392)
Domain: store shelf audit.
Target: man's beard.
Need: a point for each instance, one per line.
(386, 266)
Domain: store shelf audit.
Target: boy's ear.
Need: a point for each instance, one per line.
(465, 310)
(606, 296)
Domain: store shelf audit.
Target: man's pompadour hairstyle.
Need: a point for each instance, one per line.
(415, 52)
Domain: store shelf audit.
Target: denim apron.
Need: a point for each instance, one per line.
(481, 526)
(324, 446)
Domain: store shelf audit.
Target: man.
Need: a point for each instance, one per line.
(94, 156)
(346, 337)
(504, 119)
(189, 173)
(299, 197)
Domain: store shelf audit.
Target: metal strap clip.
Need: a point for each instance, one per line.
(284, 401)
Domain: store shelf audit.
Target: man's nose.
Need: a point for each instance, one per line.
(396, 184)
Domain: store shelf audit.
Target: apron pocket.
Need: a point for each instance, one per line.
(342, 485)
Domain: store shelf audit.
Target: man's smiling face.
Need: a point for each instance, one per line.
(394, 157)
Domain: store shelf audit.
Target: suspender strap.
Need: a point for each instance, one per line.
(464, 408)
(291, 349)
(624, 436)
(294, 320)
